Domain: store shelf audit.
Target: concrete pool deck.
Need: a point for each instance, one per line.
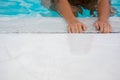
(28, 56)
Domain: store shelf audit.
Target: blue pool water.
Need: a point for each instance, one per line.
(34, 8)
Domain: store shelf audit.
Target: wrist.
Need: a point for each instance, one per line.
(103, 19)
(72, 20)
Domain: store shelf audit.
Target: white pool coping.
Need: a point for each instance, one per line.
(48, 25)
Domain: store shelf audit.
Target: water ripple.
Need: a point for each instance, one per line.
(34, 8)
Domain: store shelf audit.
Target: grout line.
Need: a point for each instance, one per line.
(57, 33)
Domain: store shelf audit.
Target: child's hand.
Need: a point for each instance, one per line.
(76, 26)
(103, 26)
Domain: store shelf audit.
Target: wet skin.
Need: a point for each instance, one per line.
(76, 26)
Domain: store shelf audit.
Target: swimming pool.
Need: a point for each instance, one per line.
(34, 8)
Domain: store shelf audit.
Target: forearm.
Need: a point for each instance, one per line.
(103, 10)
(65, 10)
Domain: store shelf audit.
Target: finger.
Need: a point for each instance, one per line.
(97, 26)
(79, 28)
(84, 27)
(101, 27)
(105, 28)
(76, 28)
(69, 30)
(110, 28)
(73, 28)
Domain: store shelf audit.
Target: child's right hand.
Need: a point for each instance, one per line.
(75, 26)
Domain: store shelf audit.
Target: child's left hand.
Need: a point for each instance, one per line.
(103, 26)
